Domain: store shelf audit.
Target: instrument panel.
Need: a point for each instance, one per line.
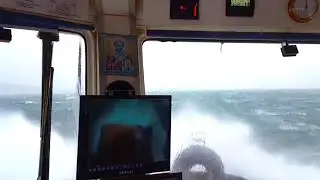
(240, 8)
(189, 9)
(232, 15)
(184, 9)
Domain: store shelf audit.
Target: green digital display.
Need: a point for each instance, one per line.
(240, 3)
(240, 8)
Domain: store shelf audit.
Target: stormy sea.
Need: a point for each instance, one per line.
(260, 135)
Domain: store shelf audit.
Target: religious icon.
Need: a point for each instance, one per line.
(119, 62)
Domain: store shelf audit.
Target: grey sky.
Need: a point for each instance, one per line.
(169, 65)
(202, 66)
(20, 61)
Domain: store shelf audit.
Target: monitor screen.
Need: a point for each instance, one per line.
(163, 176)
(129, 135)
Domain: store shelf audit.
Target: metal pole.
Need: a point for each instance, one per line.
(46, 102)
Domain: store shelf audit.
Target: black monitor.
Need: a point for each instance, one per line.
(164, 176)
(126, 135)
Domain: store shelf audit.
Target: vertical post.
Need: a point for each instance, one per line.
(46, 102)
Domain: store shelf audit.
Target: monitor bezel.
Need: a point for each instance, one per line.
(83, 142)
(158, 176)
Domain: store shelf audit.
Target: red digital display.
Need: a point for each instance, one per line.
(184, 9)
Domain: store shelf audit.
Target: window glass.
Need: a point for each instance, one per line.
(241, 109)
(20, 104)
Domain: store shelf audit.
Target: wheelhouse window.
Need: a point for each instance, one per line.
(257, 111)
(20, 105)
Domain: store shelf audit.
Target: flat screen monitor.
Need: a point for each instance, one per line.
(164, 176)
(126, 135)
